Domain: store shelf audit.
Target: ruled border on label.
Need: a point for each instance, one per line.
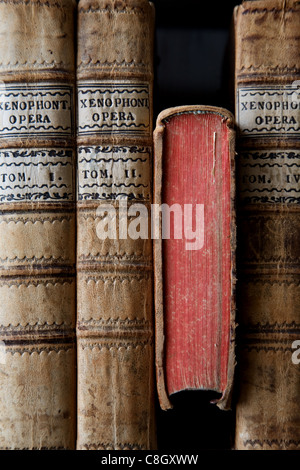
(39, 110)
(114, 108)
(268, 111)
(114, 172)
(37, 175)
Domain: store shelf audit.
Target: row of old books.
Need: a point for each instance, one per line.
(105, 305)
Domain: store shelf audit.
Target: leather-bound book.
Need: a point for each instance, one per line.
(194, 252)
(37, 225)
(267, 73)
(114, 248)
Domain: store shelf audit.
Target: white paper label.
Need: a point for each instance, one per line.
(113, 108)
(39, 175)
(268, 111)
(269, 176)
(113, 172)
(38, 110)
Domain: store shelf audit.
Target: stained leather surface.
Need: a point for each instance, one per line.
(115, 307)
(37, 225)
(267, 64)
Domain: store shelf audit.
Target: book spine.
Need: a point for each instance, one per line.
(195, 350)
(114, 139)
(268, 118)
(37, 225)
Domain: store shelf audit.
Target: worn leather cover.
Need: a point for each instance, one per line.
(194, 252)
(114, 294)
(267, 72)
(37, 225)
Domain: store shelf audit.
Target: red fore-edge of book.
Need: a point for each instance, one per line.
(194, 251)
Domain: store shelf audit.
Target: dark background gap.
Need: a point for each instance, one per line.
(192, 66)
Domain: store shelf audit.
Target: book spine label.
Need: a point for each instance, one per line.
(37, 175)
(114, 108)
(268, 111)
(269, 176)
(112, 172)
(36, 110)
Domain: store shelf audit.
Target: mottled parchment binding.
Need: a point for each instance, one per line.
(37, 225)
(267, 72)
(114, 296)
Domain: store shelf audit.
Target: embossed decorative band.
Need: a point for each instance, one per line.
(269, 176)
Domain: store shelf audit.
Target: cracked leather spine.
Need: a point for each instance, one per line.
(267, 72)
(37, 225)
(114, 267)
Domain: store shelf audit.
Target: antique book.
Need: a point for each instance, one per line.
(114, 248)
(194, 251)
(37, 225)
(267, 73)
